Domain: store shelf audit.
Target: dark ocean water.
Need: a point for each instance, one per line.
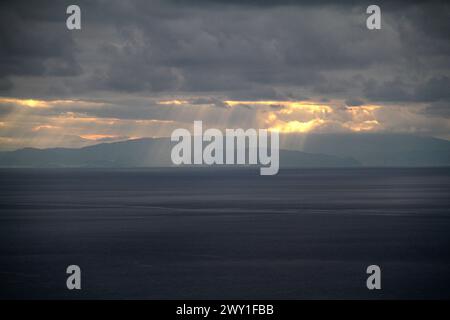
(199, 234)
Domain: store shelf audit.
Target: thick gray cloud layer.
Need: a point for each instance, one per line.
(130, 54)
(145, 67)
(228, 49)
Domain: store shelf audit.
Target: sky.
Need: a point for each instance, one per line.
(144, 68)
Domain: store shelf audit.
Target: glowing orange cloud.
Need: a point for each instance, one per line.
(290, 116)
(97, 136)
(34, 103)
(31, 103)
(173, 102)
(302, 117)
(45, 126)
(287, 106)
(297, 126)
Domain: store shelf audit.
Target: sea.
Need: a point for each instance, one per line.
(210, 233)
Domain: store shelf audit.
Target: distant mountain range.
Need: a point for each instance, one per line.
(375, 149)
(313, 150)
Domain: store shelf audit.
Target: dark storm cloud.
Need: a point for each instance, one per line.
(236, 49)
(5, 84)
(391, 90)
(431, 90)
(233, 50)
(435, 89)
(31, 44)
(272, 3)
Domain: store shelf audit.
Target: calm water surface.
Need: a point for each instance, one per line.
(183, 233)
